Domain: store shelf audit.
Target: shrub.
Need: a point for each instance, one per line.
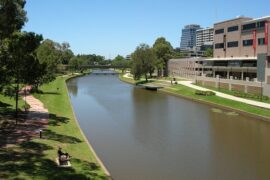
(205, 93)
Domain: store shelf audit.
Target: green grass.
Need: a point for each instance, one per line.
(233, 93)
(190, 93)
(36, 159)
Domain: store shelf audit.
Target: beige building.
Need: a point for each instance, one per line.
(204, 37)
(241, 53)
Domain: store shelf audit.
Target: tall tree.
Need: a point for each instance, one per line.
(143, 61)
(163, 50)
(48, 53)
(12, 17)
(20, 48)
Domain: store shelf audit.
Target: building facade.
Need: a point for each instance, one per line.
(241, 57)
(204, 37)
(188, 38)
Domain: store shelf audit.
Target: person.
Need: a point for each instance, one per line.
(60, 153)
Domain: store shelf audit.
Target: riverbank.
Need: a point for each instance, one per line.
(189, 93)
(35, 159)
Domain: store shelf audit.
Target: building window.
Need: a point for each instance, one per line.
(232, 28)
(232, 44)
(249, 26)
(234, 63)
(219, 31)
(248, 42)
(261, 41)
(261, 24)
(219, 45)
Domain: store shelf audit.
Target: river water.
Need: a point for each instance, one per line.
(147, 135)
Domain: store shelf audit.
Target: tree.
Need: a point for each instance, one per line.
(22, 63)
(48, 53)
(12, 17)
(209, 52)
(121, 62)
(143, 61)
(163, 50)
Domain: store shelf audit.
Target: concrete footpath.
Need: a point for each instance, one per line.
(227, 96)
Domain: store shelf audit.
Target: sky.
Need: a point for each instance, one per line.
(112, 27)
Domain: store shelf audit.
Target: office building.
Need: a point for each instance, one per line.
(204, 38)
(241, 59)
(188, 38)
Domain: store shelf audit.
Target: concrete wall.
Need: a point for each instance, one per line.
(232, 85)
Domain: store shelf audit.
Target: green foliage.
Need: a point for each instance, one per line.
(121, 62)
(49, 54)
(12, 17)
(250, 96)
(204, 93)
(143, 61)
(209, 52)
(163, 50)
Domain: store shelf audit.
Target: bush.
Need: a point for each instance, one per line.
(205, 93)
(250, 96)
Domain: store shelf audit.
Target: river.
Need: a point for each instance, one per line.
(147, 135)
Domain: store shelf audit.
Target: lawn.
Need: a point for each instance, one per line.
(233, 93)
(190, 93)
(36, 159)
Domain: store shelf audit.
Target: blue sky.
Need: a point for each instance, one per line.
(111, 27)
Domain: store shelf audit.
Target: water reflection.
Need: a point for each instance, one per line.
(141, 134)
(73, 87)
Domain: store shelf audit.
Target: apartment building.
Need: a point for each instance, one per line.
(188, 38)
(204, 38)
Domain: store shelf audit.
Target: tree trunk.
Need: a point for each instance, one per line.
(165, 69)
(146, 77)
(17, 100)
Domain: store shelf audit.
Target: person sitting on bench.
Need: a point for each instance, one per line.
(63, 157)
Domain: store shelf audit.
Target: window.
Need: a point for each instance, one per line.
(248, 42)
(261, 24)
(220, 63)
(261, 41)
(219, 31)
(234, 63)
(232, 28)
(232, 44)
(249, 26)
(219, 45)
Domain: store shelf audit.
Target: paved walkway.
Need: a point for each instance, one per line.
(27, 128)
(223, 95)
(227, 96)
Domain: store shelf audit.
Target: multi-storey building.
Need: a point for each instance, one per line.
(188, 38)
(204, 37)
(241, 56)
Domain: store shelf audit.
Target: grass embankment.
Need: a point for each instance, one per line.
(186, 92)
(36, 159)
(233, 93)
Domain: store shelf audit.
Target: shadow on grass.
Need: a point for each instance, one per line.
(57, 120)
(27, 161)
(48, 134)
(47, 92)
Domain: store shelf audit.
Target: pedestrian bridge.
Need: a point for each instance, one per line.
(104, 73)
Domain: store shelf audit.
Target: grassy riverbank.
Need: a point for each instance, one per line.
(36, 159)
(189, 93)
